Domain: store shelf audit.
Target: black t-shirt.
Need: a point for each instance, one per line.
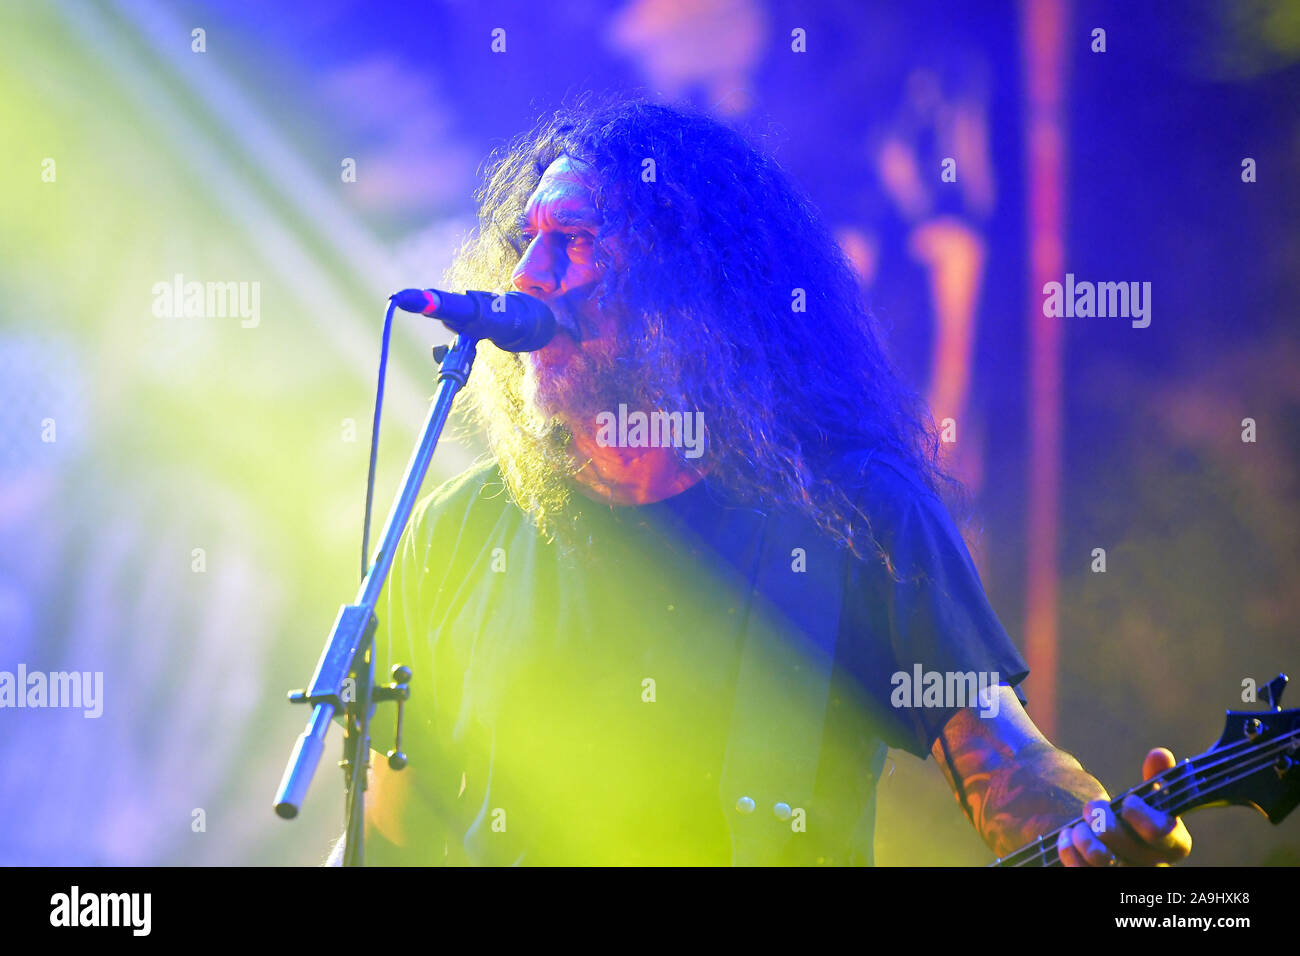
(696, 682)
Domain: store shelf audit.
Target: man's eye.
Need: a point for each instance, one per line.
(577, 237)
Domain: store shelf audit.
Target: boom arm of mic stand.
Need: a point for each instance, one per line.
(347, 649)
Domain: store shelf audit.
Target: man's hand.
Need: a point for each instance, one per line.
(1014, 785)
(1140, 836)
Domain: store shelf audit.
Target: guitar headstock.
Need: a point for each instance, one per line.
(1256, 762)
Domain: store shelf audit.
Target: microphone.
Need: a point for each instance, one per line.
(512, 321)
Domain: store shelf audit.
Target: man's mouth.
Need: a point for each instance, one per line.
(566, 319)
(564, 324)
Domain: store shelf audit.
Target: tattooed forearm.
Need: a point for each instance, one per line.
(1013, 796)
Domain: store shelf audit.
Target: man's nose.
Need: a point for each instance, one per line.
(535, 273)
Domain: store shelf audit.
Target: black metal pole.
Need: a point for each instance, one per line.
(347, 650)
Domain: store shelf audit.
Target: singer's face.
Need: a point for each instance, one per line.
(559, 267)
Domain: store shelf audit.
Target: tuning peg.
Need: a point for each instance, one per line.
(440, 353)
(1273, 691)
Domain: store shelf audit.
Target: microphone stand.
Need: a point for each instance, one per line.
(344, 680)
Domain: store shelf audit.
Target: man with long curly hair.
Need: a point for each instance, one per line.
(707, 576)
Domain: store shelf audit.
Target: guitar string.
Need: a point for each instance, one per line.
(1167, 795)
(1222, 756)
(1266, 751)
(1186, 783)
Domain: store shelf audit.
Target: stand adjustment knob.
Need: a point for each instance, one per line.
(399, 692)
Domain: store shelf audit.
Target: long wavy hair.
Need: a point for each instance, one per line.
(720, 246)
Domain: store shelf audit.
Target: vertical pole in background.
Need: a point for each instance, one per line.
(1043, 26)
